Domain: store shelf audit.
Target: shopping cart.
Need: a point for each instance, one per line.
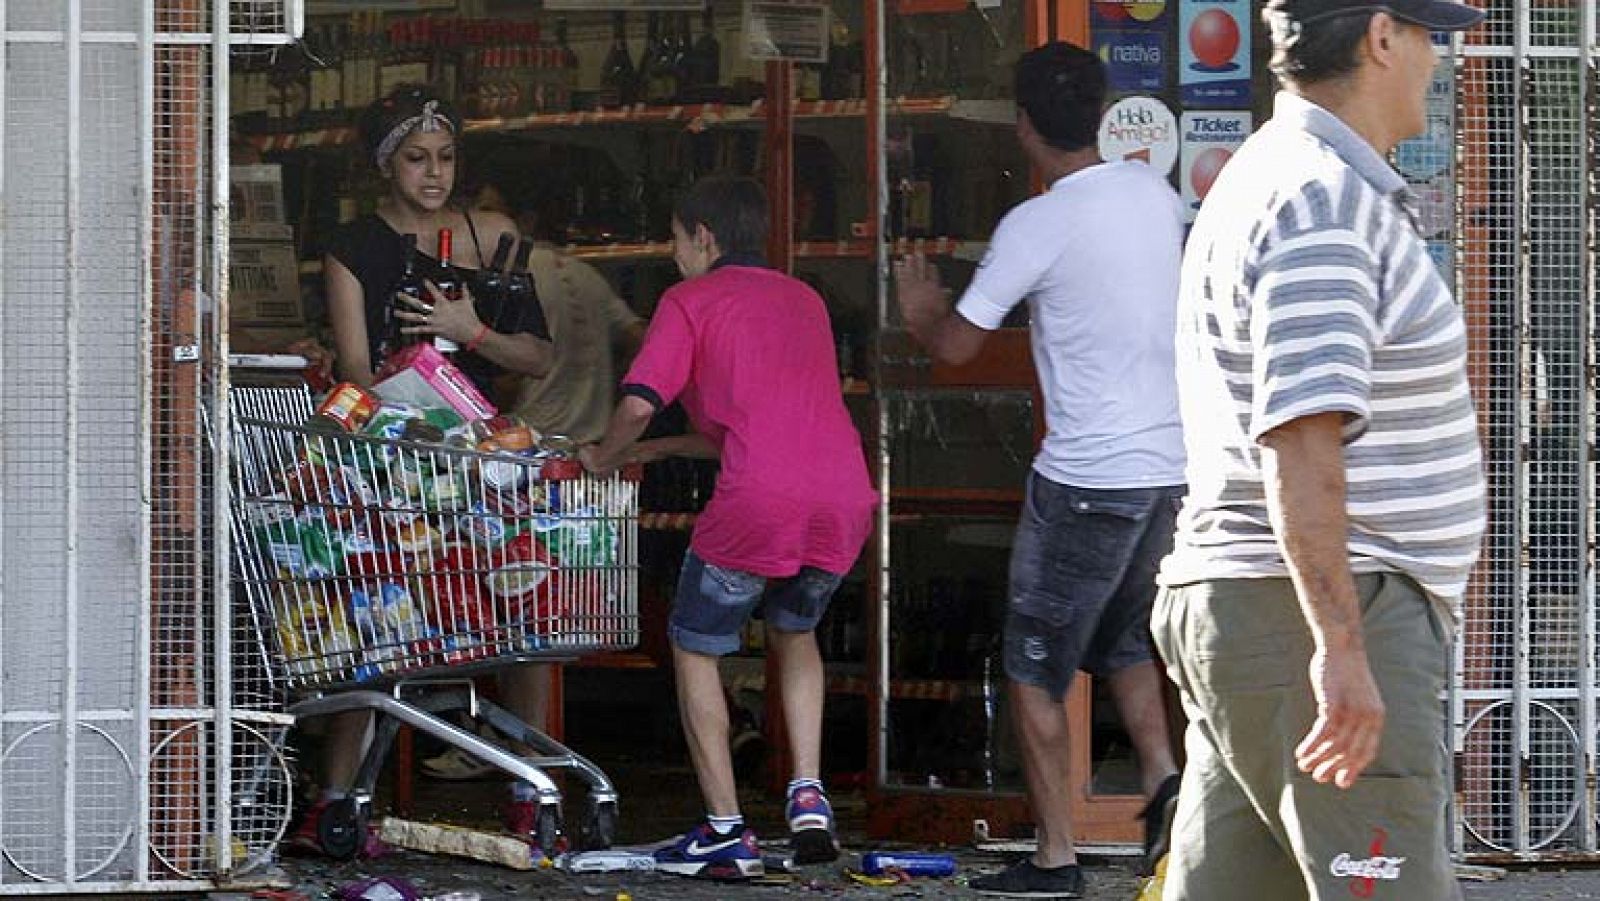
(383, 574)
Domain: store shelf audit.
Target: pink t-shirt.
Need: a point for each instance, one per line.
(749, 352)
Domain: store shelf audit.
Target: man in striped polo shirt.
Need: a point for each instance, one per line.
(1336, 487)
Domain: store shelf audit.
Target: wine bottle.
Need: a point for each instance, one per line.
(408, 294)
(520, 292)
(655, 64)
(449, 284)
(705, 58)
(682, 48)
(492, 280)
(568, 60)
(617, 76)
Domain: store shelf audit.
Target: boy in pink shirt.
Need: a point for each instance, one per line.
(749, 352)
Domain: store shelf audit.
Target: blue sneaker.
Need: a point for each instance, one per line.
(811, 827)
(702, 852)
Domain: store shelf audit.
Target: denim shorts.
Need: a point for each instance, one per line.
(1083, 577)
(713, 603)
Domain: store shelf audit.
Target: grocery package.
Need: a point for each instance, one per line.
(420, 375)
(408, 532)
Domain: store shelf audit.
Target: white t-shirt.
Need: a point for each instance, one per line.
(1096, 257)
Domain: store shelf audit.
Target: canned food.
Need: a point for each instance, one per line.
(421, 431)
(559, 446)
(503, 475)
(349, 405)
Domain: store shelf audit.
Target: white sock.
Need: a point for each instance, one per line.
(797, 784)
(725, 825)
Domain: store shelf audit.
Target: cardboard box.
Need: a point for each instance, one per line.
(421, 375)
(255, 204)
(264, 285)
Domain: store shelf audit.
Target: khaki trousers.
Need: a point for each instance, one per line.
(1250, 826)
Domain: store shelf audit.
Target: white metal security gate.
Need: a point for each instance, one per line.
(1524, 191)
(138, 745)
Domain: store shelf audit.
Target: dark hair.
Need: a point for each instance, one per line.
(1062, 88)
(1324, 49)
(732, 208)
(405, 101)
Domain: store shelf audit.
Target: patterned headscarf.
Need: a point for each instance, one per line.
(427, 121)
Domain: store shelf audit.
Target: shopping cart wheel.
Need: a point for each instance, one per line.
(600, 826)
(547, 828)
(342, 828)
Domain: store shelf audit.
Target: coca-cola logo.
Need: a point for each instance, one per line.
(1364, 873)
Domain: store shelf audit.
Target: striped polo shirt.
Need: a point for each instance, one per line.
(1307, 289)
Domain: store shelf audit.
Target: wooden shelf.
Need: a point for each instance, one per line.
(806, 250)
(692, 116)
(945, 690)
(666, 522)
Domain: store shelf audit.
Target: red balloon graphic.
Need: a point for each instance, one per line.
(1214, 38)
(1203, 174)
(1111, 10)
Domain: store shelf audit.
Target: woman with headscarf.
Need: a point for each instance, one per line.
(412, 137)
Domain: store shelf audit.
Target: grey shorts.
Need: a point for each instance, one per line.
(1083, 576)
(1249, 823)
(713, 603)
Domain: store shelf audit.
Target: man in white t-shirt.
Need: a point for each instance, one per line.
(1096, 259)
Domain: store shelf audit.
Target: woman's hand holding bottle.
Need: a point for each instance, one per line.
(454, 318)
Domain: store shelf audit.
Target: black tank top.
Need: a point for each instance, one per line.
(375, 254)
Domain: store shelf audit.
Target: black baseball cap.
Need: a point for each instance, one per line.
(1434, 15)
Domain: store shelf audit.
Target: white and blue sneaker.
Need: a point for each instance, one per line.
(702, 852)
(811, 826)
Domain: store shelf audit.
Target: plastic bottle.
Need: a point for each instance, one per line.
(912, 863)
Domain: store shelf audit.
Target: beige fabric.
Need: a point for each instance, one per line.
(586, 319)
(1249, 824)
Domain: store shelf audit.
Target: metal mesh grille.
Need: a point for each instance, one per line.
(110, 15)
(1552, 367)
(184, 843)
(126, 471)
(1525, 724)
(1488, 279)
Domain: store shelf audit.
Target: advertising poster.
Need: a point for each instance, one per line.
(1140, 128)
(1431, 153)
(795, 30)
(1214, 53)
(1130, 37)
(1209, 141)
(1425, 162)
(1135, 60)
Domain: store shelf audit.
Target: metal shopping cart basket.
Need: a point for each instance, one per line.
(382, 574)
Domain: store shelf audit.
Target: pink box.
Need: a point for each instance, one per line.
(421, 375)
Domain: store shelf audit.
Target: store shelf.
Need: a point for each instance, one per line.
(693, 117)
(666, 522)
(957, 495)
(954, 248)
(946, 690)
(862, 249)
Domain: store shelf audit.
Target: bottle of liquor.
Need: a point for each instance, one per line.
(617, 76)
(655, 64)
(445, 48)
(492, 279)
(567, 61)
(682, 51)
(704, 64)
(408, 294)
(520, 293)
(351, 61)
(449, 284)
